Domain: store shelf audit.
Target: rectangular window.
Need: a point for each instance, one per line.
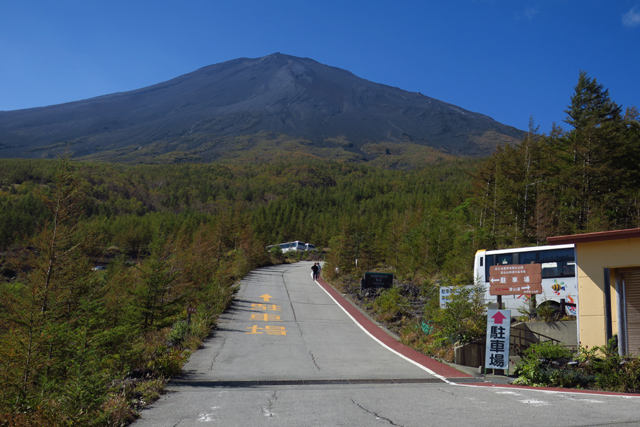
(497, 259)
(504, 259)
(550, 269)
(556, 255)
(489, 263)
(528, 257)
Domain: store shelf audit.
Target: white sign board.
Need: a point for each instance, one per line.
(498, 334)
(445, 293)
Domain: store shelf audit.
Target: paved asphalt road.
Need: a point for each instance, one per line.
(288, 354)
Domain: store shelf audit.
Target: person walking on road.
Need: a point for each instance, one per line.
(315, 269)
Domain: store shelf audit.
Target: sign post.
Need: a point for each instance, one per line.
(190, 310)
(498, 338)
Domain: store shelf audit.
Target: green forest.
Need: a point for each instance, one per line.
(99, 261)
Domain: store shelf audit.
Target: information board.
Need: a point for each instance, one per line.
(377, 280)
(515, 279)
(445, 296)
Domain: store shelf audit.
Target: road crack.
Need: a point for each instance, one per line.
(375, 414)
(224, 340)
(313, 359)
(268, 410)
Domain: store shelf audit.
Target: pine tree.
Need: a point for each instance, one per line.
(43, 311)
(588, 150)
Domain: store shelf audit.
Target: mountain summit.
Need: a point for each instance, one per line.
(277, 102)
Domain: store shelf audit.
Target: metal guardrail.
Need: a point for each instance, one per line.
(520, 340)
(519, 343)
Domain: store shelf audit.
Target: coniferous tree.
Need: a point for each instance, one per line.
(588, 152)
(43, 312)
(580, 180)
(155, 297)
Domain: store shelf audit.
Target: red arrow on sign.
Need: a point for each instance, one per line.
(498, 318)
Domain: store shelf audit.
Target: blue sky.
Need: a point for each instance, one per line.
(508, 59)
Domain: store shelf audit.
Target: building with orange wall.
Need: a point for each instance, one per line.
(608, 287)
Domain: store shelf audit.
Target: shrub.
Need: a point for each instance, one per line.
(116, 411)
(609, 370)
(179, 333)
(390, 305)
(415, 336)
(545, 364)
(462, 320)
(547, 350)
(168, 362)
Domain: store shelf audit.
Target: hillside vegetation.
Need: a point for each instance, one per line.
(79, 344)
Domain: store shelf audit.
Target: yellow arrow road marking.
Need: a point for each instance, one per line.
(265, 307)
(266, 297)
(265, 317)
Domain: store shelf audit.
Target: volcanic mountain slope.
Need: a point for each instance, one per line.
(252, 108)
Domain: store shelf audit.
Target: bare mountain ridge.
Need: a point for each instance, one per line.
(220, 110)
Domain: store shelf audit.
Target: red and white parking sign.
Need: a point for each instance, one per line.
(498, 334)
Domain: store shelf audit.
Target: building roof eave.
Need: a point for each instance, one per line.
(600, 236)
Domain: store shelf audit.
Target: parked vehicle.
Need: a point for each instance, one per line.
(296, 245)
(559, 275)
